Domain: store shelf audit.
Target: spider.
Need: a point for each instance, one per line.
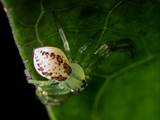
(64, 77)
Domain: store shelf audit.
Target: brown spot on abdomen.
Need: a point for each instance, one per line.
(59, 59)
(52, 55)
(67, 68)
(40, 69)
(59, 78)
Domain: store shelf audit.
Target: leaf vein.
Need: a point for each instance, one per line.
(116, 74)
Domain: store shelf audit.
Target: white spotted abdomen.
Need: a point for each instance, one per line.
(51, 63)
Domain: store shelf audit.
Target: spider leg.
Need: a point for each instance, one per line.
(42, 82)
(50, 92)
(48, 96)
(62, 35)
(105, 50)
(100, 54)
(88, 48)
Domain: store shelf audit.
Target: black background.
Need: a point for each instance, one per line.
(18, 97)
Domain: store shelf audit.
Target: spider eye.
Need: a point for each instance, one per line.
(84, 84)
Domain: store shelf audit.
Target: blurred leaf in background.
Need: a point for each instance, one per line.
(121, 86)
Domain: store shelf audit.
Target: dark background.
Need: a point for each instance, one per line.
(18, 97)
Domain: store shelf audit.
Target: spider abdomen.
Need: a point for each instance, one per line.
(51, 63)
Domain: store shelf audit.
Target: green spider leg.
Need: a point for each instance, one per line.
(51, 87)
(63, 36)
(50, 92)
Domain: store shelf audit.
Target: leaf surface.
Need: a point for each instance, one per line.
(121, 86)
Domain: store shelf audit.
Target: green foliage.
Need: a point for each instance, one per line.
(121, 86)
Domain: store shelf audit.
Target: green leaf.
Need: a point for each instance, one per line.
(121, 86)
